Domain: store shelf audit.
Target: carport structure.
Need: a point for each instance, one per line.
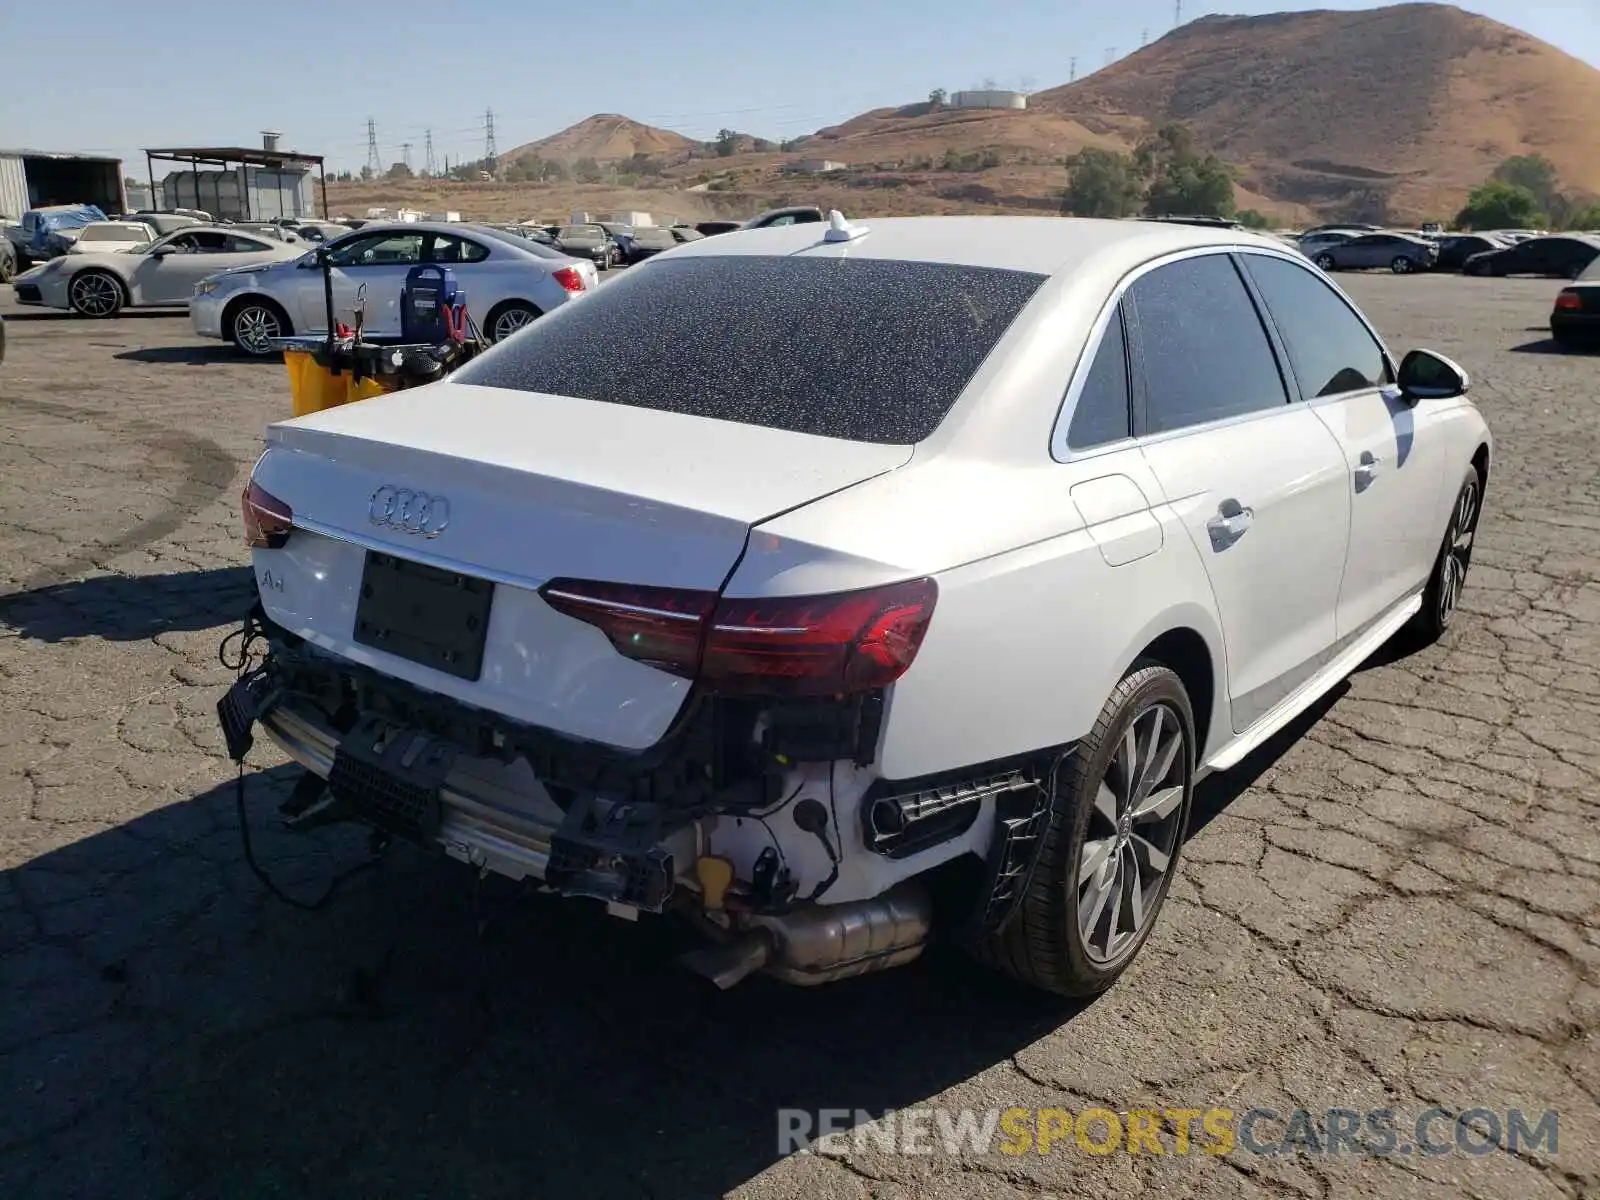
(231, 157)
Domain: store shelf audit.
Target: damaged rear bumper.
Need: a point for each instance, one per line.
(491, 816)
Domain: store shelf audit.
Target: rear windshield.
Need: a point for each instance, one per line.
(871, 350)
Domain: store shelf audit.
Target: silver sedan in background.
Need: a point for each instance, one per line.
(509, 281)
(1397, 252)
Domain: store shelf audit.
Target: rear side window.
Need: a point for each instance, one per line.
(1102, 414)
(871, 350)
(1330, 349)
(1203, 349)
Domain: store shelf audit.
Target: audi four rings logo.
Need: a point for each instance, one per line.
(402, 509)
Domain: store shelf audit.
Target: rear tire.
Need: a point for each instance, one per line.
(507, 318)
(1325, 261)
(7, 269)
(1402, 265)
(1442, 597)
(1112, 845)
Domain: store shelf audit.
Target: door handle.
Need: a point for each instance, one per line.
(1366, 471)
(1230, 524)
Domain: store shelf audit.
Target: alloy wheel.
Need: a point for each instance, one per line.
(1132, 834)
(254, 327)
(1458, 555)
(1401, 266)
(95, 295)
(509, 322)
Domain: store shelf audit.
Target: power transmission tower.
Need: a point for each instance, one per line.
(1177, 13)
(490, 150)
(1111, 55)
(373, 162)
(405, 155)
(1144, 39)
(1072, 70)
(427, 151)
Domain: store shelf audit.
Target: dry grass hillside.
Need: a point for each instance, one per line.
(1411, 105)
(1391, 113)
(605, 137)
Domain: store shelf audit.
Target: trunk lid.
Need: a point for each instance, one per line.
(533, 487)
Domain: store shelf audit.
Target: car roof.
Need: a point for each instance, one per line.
(1043, 245)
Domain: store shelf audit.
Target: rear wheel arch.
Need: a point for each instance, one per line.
(505, 306)
(1480, 464)
(1187, 654)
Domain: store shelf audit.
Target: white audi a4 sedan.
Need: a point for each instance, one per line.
(806, 574)
(508, 281)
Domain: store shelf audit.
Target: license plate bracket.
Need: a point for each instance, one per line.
(430, 616)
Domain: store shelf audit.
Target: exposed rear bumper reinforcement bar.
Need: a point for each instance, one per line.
(488, 824)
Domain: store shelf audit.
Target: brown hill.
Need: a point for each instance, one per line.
(606, 137)
(1404, 108)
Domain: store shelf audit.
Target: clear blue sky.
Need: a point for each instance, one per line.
(219, 73)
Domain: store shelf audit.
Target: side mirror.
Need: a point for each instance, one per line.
(163, 251)
(1425, 375)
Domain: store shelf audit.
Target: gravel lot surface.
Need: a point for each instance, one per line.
(1398, 907)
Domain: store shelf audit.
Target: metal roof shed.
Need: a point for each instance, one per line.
(37, 178)
(241, 158)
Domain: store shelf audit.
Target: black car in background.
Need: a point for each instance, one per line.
(712, 228)
(1565, 256)
(649, 241)
(1456, 248)
(1576, 319)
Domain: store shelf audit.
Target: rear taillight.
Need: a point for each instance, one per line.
(569, 278)
(658, 626)
(789, 646)
(268, 521)
(1569, 301)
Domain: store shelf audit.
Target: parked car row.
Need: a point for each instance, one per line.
(1498, 252)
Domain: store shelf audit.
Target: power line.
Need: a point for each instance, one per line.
(372, 147)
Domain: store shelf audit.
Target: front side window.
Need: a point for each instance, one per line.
(871, 350)
(378, 250)
(234, 244)
(1102, 414)
(1202, 347)
(1330, 349)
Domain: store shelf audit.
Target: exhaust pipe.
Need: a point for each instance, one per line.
(727, 963)
(819, 943)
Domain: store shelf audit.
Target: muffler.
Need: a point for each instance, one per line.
(819, 943)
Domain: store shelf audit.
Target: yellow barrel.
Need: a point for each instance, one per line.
(313, 387)
(369, 386)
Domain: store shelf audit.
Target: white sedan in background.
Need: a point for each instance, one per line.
(941, 554)
(109, 237)
(164, 272)
(508, 281)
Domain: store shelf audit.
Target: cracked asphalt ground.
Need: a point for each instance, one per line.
(1398, 907)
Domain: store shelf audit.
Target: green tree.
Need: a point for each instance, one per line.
(937, 98)
(1252, 219)
(555, 171)
(1101, 183)
(1534, 172)
(586, 170)
(1181, 181)
(727, 142)
(366, 172)
(399, 171)
(1584, 218)
(1498, 205)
